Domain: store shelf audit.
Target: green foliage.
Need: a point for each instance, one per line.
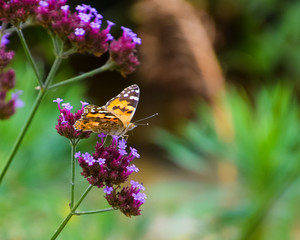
(257, 40)
(264, 150)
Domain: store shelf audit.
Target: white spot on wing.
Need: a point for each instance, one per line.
(134, 98)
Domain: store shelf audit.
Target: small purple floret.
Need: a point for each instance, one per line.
(67, 106)
(134, 152)
(138, 185)
(79, 32)
(65, 8)
(18, 103)
(101, 161)
(64, 121)
(122, 152)
(110, 24)
(108, 190)
(84, 17)
(96, 25)
(77, 155)
(90, 161)
(58, 100)
(4, 40)
(83, 104)
(132, 168)
(115, 138)
(141, 197)
(102, 135)
(122, 144)
(43, 4)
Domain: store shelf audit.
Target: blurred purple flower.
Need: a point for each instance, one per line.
(17, 11)
(4, 40)
(122, 52)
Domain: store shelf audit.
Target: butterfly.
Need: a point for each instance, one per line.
(114, 118)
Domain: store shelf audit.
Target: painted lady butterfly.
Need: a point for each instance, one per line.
(114, 118)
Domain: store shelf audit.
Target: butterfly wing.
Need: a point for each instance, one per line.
(123, 106)
(99, 120)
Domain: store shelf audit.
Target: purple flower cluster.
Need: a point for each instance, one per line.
(5, 56)
(122, 51)
(16, 11)
(7, 82)
(67, 119)
(111, 166)
(128, 199)
(80, 29)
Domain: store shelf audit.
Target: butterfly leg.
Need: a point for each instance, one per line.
(125, 137)
(104, 141)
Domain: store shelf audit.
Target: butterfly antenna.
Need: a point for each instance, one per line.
(153, 115)
(142, 124)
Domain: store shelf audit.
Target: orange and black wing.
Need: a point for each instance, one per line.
(97, 119)
(123, 106)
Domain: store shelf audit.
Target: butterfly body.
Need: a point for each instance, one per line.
(114, 118)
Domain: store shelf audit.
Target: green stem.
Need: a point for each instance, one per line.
(266, 203)
(52, 72)
(22, 134)
(29, 56)
(31, 115)
(71, 213)
(72, 173)
(54, 42)
(94, 211)
(105, 67)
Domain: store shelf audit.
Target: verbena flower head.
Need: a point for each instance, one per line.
(108, 168)
(7, 81)
(16, 11)
(122, 51)
(81, 29)
(67, 119)
(8, 108)
(128, 199)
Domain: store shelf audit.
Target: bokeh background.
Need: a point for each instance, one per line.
(222, 158)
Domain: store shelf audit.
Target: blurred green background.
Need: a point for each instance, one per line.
(222, 159)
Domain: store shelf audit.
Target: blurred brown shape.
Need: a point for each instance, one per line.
(178, 58)
(176, 49)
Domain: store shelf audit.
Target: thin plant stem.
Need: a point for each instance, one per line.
(94, 211)
(54, 42)
(36, 104)
(71, 213)
(108, 66)
(21, 135)
(72, 173)
(29, 56)
(52, 72)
